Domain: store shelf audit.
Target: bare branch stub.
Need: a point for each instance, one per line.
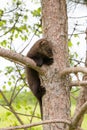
(73, 70)
(77, 83)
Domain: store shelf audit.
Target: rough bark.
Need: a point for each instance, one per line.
(56, 102)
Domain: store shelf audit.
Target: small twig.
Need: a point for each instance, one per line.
(74, 91)
(39, 123)
(73, 32)
(16, 94)
(29, 42)
(13, 92)
(78, 61)
(10, 28)
(79, 2)
(28, 115)
(73, 96)
(10, 11)
(22, 114)
(33, 112)
(11, 108)
(5, 107)
(77, 33)
(78, 17)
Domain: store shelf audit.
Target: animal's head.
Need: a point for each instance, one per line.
(46, 48)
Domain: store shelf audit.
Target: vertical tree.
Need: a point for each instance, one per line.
(56, 102)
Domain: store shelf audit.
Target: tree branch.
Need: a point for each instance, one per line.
(73, 70)
(78, 17)
(11, 108)
(20, 59)
(79, 2)
(39, 123)
(80, 128)
(79, 114)
(79, 83)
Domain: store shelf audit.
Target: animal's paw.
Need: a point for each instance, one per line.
(50, 61)
(43, 90)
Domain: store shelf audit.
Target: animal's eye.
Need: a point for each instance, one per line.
(49, 50)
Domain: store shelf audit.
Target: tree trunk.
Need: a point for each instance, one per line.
(56, 102)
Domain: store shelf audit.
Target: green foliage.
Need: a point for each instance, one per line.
(24, 103)
(14, 21)
(36, 12)
(73, 53)
(3, 43)
(76, 35)
(70, 43)
(2, 23)
(9, 69)
(1, 13)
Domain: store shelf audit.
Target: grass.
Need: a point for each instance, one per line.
(25, 103)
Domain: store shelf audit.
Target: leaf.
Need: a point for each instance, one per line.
(16, 35)
(1, 12)
(76, 35)
(37, 12)
(9, 83)
(8, 114)
(25, 17)
(78, 43)
(24, 38)
(21, 28)
(13, 77)
(3, 43)
(4, 87)
(70, 43)
(76, 55)
(9, 69)
(2, 22)
(18, 105)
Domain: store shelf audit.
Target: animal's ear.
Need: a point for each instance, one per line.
(42, 42)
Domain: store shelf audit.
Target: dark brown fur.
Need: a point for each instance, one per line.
(41, 53)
